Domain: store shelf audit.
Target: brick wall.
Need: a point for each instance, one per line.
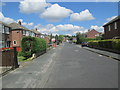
(113, 32)
(16, 35)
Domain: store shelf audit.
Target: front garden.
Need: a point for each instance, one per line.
(30, 46)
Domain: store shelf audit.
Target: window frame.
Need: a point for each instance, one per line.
(115, 25)
(109, 28)
(14, 43)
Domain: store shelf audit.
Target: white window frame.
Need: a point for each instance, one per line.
(109, 28)
(115, 25)
(7, 30)
(3, 29)
(24, 32)
(14, 43)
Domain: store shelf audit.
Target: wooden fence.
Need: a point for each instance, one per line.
(8, 60)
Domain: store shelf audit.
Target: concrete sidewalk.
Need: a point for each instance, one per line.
(105, 53)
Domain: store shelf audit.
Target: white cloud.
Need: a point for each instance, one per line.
(55, 13)
(8, 20)
(54, 34)
(5, 19)
(33, 6)
(100, 29)
(81, 31)
(68, 34)
(68, 27)
(109, 19)
(50, 28)
(82, 16)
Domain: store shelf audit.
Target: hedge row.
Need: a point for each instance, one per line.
(32, 45)
(109, 44)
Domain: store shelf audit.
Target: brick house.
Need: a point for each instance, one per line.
(92, 33)
(17, 33)
(112, 28)
(5, 33)
(47, 38)
(37, 33)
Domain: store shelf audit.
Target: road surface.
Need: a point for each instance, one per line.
(69, 66)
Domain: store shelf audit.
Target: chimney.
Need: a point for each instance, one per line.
(88, 30)
(36, 29)
(19, 22)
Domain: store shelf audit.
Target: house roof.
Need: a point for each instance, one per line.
(92, 31)
(17, 26)
(113, 20)
(35, 31)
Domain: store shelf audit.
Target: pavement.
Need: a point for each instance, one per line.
(32, 74)
(66, 66)
(105, 53)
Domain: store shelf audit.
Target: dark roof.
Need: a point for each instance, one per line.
(17, 26)
(35, 31)
(113, 20)
(4, 24)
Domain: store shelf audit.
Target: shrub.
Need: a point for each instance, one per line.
(32, 45)
(116, 44)
(110, 44)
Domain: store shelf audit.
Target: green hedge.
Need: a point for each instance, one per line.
(110, 44)
(32, 45)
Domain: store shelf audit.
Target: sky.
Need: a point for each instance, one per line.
(66, 18)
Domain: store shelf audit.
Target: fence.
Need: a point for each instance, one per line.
(17, 48)
(9, 60)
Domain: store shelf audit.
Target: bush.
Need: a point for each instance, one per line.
(116, 44)
(110, 44)
(74, 41)
(32, 45)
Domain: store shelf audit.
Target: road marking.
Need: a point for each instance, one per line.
(76, 50)
(100, 55)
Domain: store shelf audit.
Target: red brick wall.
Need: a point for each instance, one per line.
(46, 39)
(16, 35)
(113, 32)
(92, 34)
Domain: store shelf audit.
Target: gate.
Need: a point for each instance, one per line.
(8, 60)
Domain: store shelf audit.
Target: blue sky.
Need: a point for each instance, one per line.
(93, 15)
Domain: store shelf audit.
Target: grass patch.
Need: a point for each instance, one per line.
(22, 59)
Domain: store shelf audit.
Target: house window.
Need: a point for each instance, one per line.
(1, 28)
(115, 25)
(27, 33)
(14, 42)
(109, 28)
(7, 30)
(24, 32)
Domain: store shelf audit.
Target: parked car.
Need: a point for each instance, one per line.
(83, 44)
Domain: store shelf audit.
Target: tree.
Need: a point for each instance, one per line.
(79, 36)
(51, 38)
(61, 38)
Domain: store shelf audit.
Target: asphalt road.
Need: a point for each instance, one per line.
(67, 66)
(76, 67)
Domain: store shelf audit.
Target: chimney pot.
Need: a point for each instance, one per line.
(19, 22)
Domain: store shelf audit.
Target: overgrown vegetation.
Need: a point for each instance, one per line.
(32, 45)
